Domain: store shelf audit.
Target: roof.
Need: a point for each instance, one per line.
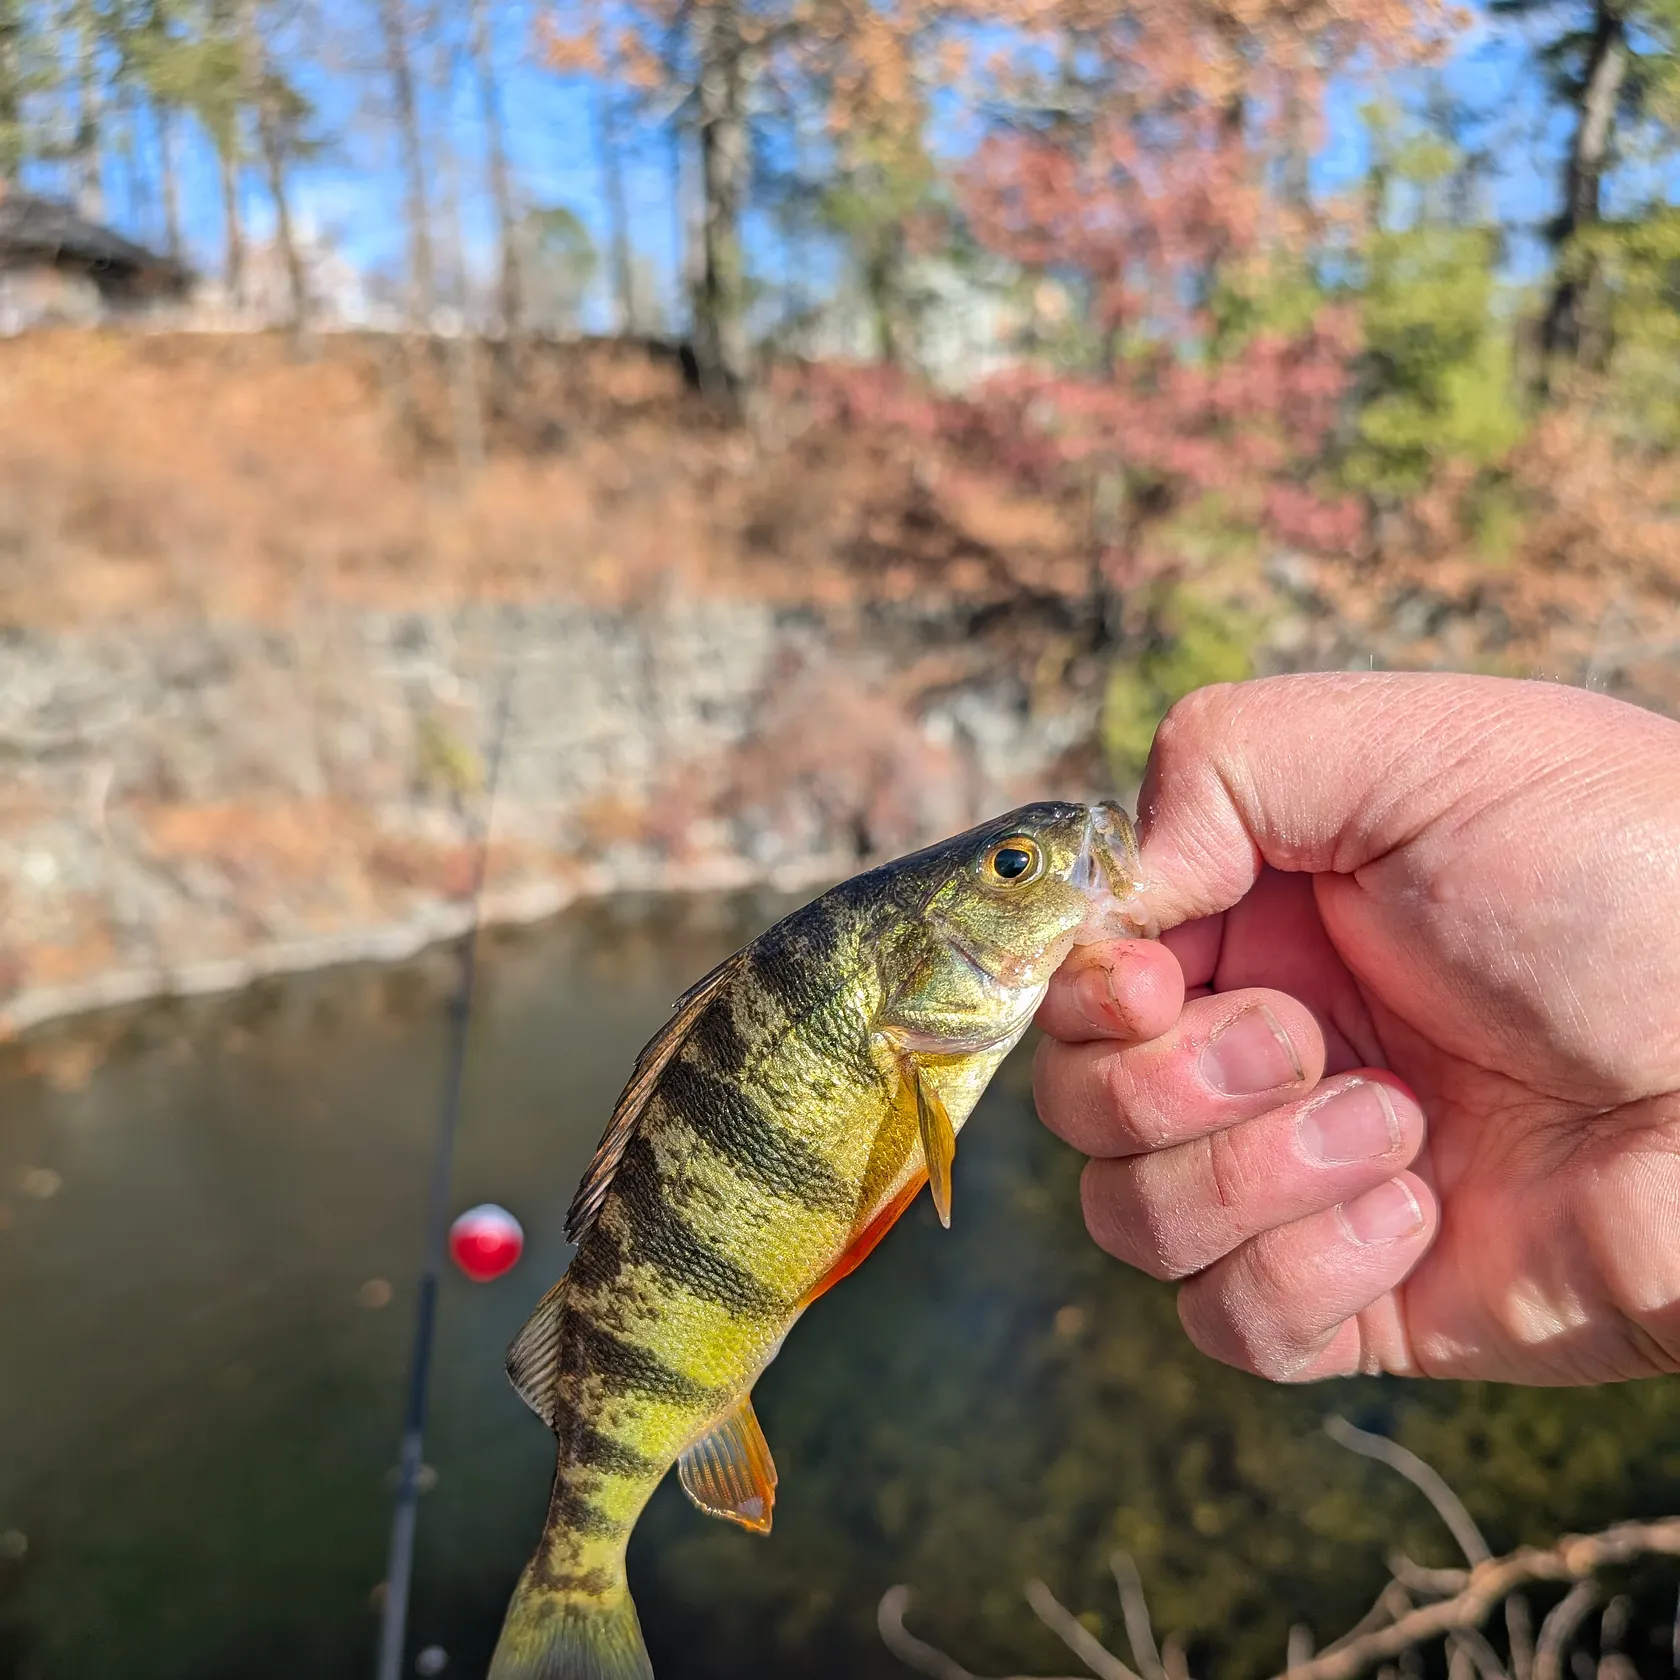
(45, 227)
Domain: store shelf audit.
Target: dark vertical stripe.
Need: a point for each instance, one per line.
(622, 1367)
(657, 1235)
(757, 1146)
(582, 1444)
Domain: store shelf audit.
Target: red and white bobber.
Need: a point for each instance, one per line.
(486, 1241)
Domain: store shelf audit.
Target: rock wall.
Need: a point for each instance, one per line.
(186, 804)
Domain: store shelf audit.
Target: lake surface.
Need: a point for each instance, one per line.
(209, 1231)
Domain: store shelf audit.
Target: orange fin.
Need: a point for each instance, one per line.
(864, 1243)
(939, 1139)
(729, 1473)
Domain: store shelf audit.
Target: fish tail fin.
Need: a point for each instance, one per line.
(558, 1632)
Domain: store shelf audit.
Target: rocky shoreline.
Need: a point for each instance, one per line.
(189, 807)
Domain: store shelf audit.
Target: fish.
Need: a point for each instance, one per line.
(772, 1132)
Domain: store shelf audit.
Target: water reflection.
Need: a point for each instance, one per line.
(208, 1235)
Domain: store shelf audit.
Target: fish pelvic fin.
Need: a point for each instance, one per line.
(559, 1632)
(729, 1472)
(939, 1138)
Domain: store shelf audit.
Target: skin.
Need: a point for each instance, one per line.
(1428, 926)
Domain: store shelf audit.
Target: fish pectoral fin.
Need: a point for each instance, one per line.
(729, 1472)
(533, 1362)
(939, 1138)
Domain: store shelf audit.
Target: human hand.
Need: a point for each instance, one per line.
(1394, 897)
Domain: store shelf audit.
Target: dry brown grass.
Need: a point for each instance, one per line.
(222, 476)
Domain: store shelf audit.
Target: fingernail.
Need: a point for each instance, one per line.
(1251, 1054)
(1358, 1123)
(1093, 993)
(1382, 1215)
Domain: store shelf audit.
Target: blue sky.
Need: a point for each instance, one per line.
(354, 191)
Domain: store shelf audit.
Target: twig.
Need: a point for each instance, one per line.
(1298, 1652)
(1519, 1634)
(1173, 1659)
(1392, 1603)
(1482, 1653)
(1558, 1628)
(1424, 1477)
(913, 1652)
(1573, 1558)
(1075, 1635)
(1134, 1608)
(1432, 1583)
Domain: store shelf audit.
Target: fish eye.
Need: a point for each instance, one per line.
(1015, 861)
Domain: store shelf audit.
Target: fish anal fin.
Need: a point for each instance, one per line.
(864, 1243)
(729, 1472)
(533, 1362)
(655, 1056)
(939, 1137)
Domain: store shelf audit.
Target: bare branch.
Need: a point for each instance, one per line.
(1431, 1583)
(1574, 1558)
(1486, 1659)
(1134, 1607)
(1392, 1603)
(911, 1651)
(1075, 1635)
(1519, 1634)
(1559, 1628)
(1424, 1477)
(915, 1653)
(1300, 1648)
(1177, 1666)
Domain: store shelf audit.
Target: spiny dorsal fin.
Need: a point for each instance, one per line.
(939, 1140)
(658, 1050)
(729, 1472)
(533, 1362)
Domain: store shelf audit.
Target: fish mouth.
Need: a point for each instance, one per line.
(1109, 872)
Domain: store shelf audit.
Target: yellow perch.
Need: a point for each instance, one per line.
(772, 1132)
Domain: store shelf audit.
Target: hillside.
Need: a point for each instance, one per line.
(257, 611)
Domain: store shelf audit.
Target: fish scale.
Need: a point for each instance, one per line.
(770, 1135)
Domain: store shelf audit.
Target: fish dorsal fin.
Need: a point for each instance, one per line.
(533, 1362)
(939, 1140)
(729, 1472)
(656, 1053)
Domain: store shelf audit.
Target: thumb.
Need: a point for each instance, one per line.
(1323, 773)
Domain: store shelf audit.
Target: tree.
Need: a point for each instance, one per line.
(511, 291)
(399, 66)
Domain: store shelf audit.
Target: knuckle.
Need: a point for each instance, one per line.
(1127, 1222)
(1226, 1178)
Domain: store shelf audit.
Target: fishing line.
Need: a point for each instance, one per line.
(405, 1512)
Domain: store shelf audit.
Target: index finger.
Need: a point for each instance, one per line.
(1129, 989)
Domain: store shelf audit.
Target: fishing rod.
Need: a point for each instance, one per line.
(405, 1512)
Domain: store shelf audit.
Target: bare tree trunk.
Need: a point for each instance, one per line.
(233, 226)
(274, 167)
(1565, 329)
(90, 192)
(626, 316)
(727, 70)
(467, 412)
(271, 146)
(422, 268)
(169, 179)
(512, 298)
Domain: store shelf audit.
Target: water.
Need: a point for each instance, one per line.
(209, 1227)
